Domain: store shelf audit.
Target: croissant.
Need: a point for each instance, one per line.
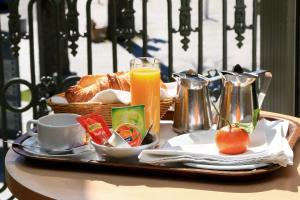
(88, 86)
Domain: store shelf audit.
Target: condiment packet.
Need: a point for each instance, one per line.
(130, 134)
(129, 123)
(96, 126)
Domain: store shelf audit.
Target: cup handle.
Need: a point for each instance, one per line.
(28, 127)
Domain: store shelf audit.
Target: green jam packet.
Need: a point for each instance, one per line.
(134, 115)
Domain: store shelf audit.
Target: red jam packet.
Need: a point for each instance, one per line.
(96, 126)
(130, 134)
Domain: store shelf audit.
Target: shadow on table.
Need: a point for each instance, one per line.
(287, 179)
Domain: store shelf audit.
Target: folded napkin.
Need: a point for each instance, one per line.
(119, 96)
(268, 144)
(171, 92)
(59, 100)
(112, 96)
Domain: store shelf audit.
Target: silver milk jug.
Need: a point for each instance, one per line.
(192, 104)
(239, 101)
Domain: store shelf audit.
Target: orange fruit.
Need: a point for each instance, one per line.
(232, 140)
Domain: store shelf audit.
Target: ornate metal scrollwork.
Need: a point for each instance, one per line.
(45, 89)
(72, 26)
(185, 27)
(185, 22)
(15, 34)
(127, 29)
(239, 26)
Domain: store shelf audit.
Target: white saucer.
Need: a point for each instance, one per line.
(227, 167)
(35, 150)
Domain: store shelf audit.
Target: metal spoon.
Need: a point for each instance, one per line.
(117, 141)
(148, 131)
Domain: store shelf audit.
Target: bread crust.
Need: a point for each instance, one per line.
(88, 86)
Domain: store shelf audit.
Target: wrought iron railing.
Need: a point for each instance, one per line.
(42, 89)
(240, 28)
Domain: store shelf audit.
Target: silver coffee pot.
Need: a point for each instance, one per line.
(192, 104)
(239, 101)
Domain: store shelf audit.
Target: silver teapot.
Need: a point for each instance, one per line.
(192, 104)
(239, 101)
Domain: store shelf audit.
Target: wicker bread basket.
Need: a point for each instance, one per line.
(103, 109)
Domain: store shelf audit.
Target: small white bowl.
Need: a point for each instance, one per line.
(123, 152)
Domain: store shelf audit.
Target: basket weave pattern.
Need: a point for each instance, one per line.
(103, 109)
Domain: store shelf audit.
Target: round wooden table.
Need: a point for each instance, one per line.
(27, 180)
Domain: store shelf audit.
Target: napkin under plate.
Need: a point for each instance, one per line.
(268, 144)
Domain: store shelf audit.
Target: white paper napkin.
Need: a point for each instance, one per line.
(170, 92)
(112, 96)
(267, 145)
(59, 100)
(119, 96)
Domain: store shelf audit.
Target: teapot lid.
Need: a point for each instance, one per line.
(190, 78)
(190, 75)
(242, 79)
(239, 77)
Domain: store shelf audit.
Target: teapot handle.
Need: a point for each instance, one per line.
(176, 76)
(214, 75)
(264, 88)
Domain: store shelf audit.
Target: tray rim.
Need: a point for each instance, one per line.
(293, 136)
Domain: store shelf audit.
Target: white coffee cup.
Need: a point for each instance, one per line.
(57, 131)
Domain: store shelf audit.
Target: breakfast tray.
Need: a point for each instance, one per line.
(145, 169)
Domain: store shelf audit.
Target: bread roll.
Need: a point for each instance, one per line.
(88, 86)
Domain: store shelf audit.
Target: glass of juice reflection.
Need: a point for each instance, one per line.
(145, 88)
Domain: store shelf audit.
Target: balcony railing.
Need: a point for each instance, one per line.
(64, 33)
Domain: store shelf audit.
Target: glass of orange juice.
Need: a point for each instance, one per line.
(145, 88)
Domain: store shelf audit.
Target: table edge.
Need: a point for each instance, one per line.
(20, 191)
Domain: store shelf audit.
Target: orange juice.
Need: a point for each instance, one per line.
(145, 90)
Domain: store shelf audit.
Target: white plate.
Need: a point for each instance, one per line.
(227, 167)
(32, 141)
